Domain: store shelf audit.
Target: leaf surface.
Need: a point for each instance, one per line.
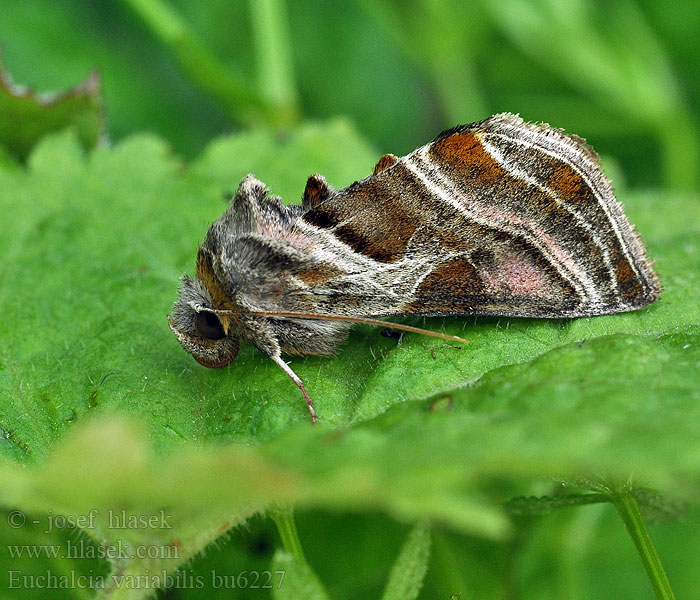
(420, 428)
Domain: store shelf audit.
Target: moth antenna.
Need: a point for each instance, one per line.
(367, 320)
(300, 384)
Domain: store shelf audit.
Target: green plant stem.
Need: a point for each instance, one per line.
(237, 97)
(628, 509)
(273, 51)
(287, 528)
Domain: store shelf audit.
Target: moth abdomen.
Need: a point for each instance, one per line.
(303, 337)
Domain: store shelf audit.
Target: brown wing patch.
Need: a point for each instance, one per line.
(371, 216)
(381, 234)
(552, 219)
(325, 218)
(630, 286)
(316, 191)
(205, 273)
(464, 153)
(456, 278)
(567, 183)
(385, 162)
(318, 274)
(512, 279)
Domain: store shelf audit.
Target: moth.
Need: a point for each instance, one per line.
(499, 217)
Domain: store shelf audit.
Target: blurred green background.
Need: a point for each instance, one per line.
(622, 74)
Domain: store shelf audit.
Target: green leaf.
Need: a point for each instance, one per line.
(298, 581)
(545, 504)
(26, 116)
(406, 577)
(417, 429)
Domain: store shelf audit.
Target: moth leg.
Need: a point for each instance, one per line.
(317, 190)
(385, 162)
(293, 376)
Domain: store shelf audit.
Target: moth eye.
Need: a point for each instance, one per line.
(208, 326)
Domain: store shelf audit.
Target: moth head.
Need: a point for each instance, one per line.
(205, 334)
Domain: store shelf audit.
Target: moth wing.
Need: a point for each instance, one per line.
(499, 217)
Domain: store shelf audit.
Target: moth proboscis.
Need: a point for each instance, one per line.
(499, 217)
